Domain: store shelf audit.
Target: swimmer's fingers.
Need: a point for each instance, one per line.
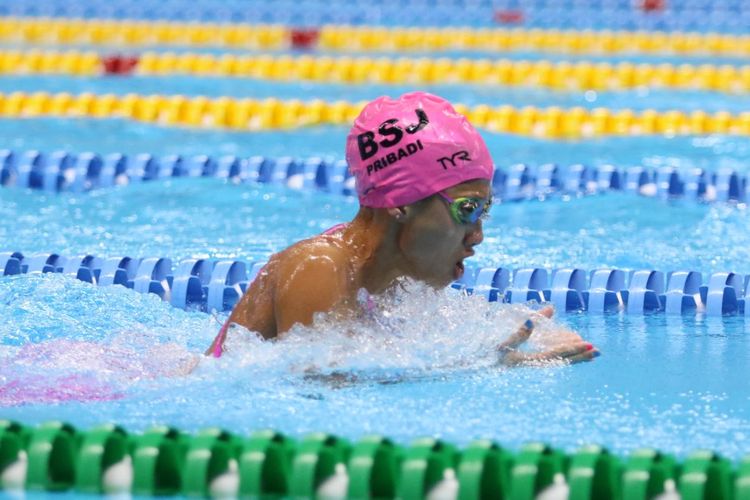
(524, 331)
(570, 353)
(575, 352)
(522, 335)
(584, 356)
(514, 358)
(546, 311)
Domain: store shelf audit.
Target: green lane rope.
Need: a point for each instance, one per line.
(164, 461)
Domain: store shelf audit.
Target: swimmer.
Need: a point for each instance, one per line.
(423, 176)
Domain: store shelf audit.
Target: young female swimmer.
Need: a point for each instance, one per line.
(423, 175)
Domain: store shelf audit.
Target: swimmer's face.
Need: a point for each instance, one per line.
(433, 243)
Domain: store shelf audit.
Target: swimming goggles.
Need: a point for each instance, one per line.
(467, 210)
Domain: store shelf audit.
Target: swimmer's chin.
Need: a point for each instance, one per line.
(458, 270)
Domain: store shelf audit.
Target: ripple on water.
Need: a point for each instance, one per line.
(422, 365)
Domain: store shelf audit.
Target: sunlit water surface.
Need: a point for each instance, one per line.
(204, 217)
(424, 364)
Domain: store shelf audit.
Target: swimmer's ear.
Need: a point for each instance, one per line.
(398, 213)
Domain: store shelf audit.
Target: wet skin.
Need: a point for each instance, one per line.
(420, 241)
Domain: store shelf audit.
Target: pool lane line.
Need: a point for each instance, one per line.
(128, 33)
(647, 14)
(166, 461)
(138, 34)
(246, 114)
(63, 171)
(215, 285)
(582, 75)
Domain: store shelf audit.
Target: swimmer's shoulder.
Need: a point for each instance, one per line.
(322, 252)
(310, 271)
(311, 276)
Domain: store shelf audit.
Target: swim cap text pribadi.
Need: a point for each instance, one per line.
(403, 150)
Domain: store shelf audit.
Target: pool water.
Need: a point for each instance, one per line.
(424, 366)
(212, 218)
(424, 362)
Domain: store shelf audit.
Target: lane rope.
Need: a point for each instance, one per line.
(165, 461)
(99, 32)
(268, 114)
(63, 171)
(217, 284)
(585, 75)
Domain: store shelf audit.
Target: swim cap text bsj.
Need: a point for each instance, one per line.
(401, 151)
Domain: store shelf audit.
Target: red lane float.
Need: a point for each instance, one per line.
(652, 5)
(304, 38)
(509, 17)
(119, 64)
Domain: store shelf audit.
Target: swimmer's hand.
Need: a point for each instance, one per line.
(565, 346)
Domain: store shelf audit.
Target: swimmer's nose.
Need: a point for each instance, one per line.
(474, 235)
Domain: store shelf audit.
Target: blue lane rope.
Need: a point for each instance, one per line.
(63, 171)
(210, 285)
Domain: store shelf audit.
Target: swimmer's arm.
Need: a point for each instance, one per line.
(563, 346)
(312, 284)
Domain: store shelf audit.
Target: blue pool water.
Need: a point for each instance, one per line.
(72, 351)
(429, 370)
(183, 218)
(674, 383)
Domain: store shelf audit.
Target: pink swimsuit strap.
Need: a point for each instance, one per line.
(365, 301)
(336, 228)
(219, 342)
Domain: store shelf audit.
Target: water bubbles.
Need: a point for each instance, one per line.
(423, 362)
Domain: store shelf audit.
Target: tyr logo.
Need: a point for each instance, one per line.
(459, 155)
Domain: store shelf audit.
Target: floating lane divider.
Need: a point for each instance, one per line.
(701, 15)
(254, 114)
(179, 110)
(63, 171)
(60, 31)
(692, 15)
(216, 285)
(165, 461)
(554, 75)
(98, 32)
(352, 38)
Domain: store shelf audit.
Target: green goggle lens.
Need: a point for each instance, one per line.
(467, 210)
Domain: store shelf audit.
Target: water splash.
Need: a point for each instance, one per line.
(422, 364)
(415, 329)
(70, 341)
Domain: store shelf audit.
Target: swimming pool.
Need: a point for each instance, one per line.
(424, 366)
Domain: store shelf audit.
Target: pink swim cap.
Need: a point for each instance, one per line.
(403, 150)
